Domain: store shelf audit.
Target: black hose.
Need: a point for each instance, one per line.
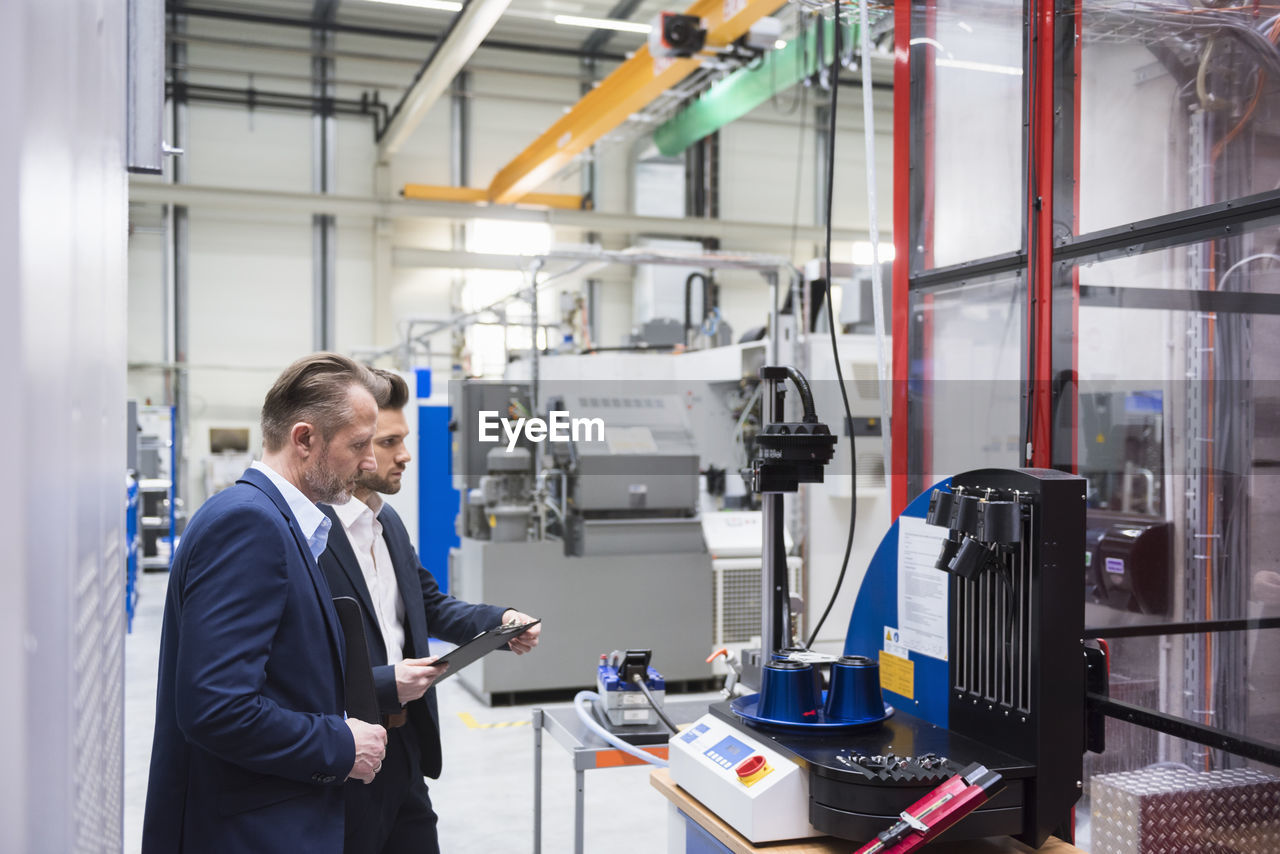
(688, 301)
(639, 680)
(806, 395)
(831, 328)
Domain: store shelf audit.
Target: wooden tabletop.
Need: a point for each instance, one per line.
(660, 779)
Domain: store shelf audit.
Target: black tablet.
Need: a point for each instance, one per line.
(480, 646)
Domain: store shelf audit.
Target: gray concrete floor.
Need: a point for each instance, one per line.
(485, 794)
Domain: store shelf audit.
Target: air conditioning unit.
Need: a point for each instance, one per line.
(735, 602)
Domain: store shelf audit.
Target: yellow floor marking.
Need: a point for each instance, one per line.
(472, 723)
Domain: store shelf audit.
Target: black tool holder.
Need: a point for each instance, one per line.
(788, 453)
(1015, 551)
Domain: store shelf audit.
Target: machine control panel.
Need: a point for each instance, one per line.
(758, 791)
(728, 752)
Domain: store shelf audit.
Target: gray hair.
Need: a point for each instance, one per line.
(315, 389)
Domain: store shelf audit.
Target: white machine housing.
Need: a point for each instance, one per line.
(704, 760)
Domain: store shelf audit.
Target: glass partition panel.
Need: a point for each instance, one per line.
(972, 52)
(1178, 433)
(1178, 107)
(966, 385)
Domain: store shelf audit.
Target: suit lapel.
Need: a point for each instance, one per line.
(406, 566)
(256, 478)
(346, 556)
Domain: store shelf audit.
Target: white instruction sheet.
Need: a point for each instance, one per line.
(922, 589)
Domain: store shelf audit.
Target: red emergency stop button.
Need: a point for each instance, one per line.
(753, 769)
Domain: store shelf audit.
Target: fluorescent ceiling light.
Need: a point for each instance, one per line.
(862, 255)
(441, 5)
(979, 66)
(601, 24)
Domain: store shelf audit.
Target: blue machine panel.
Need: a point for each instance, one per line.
(437, 499)
(877, 607)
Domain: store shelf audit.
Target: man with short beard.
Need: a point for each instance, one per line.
(251, 744)
(371, 559)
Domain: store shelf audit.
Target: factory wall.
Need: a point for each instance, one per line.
(251, 272)
(62, 339)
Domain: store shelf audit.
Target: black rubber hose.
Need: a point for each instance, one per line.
(831, 328)
(639, 680)
(688, 301)
(806, 395)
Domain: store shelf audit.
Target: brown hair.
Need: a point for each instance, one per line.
(397, 391)
(315, 389)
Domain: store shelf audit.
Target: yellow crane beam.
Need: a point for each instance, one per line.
(631, 87)
(437, 193)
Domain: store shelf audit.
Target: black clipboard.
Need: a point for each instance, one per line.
(480, 646)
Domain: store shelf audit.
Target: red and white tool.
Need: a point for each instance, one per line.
(928, 817)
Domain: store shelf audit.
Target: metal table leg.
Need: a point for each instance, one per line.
(537, 781)
(578, 806)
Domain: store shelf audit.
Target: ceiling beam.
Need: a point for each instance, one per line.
(465, 33)
(731, 233)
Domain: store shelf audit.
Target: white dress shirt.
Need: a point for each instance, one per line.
(315, 525)
(360, 521)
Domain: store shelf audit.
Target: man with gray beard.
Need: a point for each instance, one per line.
(251, 745)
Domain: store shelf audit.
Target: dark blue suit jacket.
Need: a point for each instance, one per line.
(250, 748)
(427, 613)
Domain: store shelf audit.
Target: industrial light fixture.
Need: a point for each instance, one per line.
(862, 254)
(440, 5)
(601, 24)
(990, 67)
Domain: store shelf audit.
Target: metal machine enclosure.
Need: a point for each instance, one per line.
(589, 605)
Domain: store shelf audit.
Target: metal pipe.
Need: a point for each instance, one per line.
(178, 292)
(775, 622)
(389, 33)
(254, 98)
(775, 318)
(456, 46)
(459, 176)
(324, 228)
(539, 497)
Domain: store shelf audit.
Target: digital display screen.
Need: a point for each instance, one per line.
(728, 752)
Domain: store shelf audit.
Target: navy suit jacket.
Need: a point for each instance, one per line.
(250, 748)
(427, 613)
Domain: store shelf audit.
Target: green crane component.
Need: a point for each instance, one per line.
(747, 88)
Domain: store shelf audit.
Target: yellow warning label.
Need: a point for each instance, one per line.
(897, 674)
